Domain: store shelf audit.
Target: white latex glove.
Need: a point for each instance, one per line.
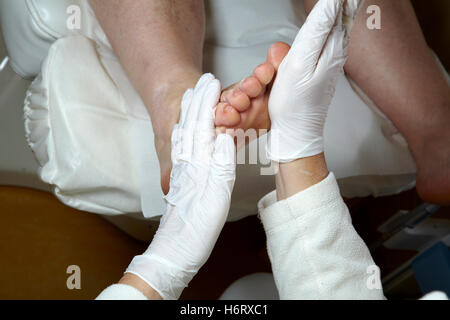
(306, 82)
(202, 180)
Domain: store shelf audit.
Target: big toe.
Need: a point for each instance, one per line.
(277, 52)
(264, 73)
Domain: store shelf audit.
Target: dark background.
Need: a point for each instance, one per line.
(434, 17)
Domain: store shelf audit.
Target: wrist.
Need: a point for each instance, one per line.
(139, 284)
(296, 176)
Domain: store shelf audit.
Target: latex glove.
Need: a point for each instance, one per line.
(202, 180)
(306, 82)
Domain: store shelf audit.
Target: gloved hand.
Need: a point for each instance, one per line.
(202, 180)
(306, 82)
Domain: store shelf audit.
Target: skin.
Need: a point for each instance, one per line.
(416, 97)
(160, 46)
(136, 282)
(299, 175)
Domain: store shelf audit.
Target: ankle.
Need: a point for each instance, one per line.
(171, 82)
(163, 102)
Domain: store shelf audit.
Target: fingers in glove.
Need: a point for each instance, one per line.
(313, 36)
(185, 103)
(220, 183)
(199, 93)
(223, 168)
(204, 134)
(189, 121)
(210, 100)
(177, 133)
(351, 8)
(334, 53)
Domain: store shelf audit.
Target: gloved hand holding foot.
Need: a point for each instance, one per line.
(202, 181)
(306, 82)
(306, 217)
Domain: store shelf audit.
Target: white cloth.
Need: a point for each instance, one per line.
(81, 138)
(314, 250)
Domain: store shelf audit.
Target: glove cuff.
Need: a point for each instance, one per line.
(288, 149)
(164, 277)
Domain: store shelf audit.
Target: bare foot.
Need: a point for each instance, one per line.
(245, 105)
(165, 114)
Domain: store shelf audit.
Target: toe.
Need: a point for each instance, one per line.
(238, 99)
(277, 53)
(226, 92)
(265, 73)
(227, 116)
(251, 86)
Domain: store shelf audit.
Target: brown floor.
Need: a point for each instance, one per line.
(40, 238)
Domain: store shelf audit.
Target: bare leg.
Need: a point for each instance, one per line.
(160, 46)
(395, 67)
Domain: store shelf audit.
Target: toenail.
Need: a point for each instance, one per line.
(261, 65)
(237, 92)
(228, 109)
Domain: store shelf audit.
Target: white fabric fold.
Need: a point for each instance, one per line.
(314, 249)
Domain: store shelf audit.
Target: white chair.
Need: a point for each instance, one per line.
(29, 29)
